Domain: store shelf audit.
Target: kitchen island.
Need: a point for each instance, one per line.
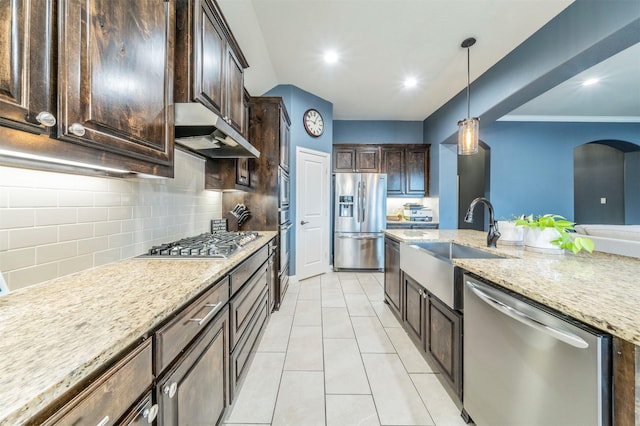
(598, 289)
(57, 334)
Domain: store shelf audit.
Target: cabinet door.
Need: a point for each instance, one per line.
(393, 165)
(196, 391)
(209, 50)
(392, 288)
(234, 91)
(416, 172)
(115, 76)
(344, 159)
(413, 307)
(368, 160)
(444, 341)
(25, 64)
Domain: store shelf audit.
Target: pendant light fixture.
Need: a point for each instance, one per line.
(469, 128)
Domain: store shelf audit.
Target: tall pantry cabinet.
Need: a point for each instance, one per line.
(267, 195)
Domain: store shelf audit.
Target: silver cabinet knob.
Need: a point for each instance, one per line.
(150, 413)
(77, 129)
(46, 119)
(420, 291)
(170, 390)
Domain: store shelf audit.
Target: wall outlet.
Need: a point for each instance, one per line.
(603, 200)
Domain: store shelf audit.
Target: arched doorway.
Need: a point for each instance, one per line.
(473, 181)
(606, 182)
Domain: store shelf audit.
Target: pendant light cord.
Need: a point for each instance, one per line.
(468, 84)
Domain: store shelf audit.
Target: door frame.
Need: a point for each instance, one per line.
(326, 204)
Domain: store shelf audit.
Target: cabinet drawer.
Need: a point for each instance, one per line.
(242, 273)
(243, 353)
(172, 339)
(243, 304)
(112, 394)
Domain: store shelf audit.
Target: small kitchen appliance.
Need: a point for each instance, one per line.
(417, 212)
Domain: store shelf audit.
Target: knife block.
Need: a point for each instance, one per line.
(232, 222)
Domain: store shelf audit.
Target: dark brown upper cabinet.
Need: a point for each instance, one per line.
(406, 165)
(26, 38)
(209, 63)
(115, 76)
(407, 169)
(98, 74)
(356, 158)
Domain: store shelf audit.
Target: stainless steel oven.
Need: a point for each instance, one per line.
(284, 186)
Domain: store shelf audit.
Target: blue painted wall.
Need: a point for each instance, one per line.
(297, 102)
(377, 132)
(532, 163)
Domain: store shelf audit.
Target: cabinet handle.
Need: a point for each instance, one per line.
(424, 294)
(46, 119)
(170, 390)
(104, 421)
(204, 319)
(77, 129)
(150, 413)
(420, 292)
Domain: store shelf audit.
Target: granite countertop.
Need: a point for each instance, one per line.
(599, 289)
(410, 222)
(57, 333)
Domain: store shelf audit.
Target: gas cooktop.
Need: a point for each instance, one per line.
(218, 245)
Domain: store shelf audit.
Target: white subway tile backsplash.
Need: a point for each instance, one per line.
(107, 228)
(106, 256)
(53, 252)
(4, 240)
(120, 240)
(120, 213)
(17, 259)
(20, 278)
(92, 214)
(75, 198)
(75, 264)
(32, 237)
(107, 199)
(57, 216)
(16, 218)
(75, 231)
(55, 224)
(29, 197)
(92, 245)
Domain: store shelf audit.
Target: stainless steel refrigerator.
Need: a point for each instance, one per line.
(360, 206)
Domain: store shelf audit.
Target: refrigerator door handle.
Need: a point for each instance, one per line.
(359, 198)
(364, 198)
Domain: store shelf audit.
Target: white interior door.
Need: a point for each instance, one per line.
(312, 212)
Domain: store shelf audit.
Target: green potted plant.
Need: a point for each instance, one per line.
(550, 233)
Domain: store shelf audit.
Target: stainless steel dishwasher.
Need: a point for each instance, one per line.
(526, 365)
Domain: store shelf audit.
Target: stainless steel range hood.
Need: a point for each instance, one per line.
(201, 130)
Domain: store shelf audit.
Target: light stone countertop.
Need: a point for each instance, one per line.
(57, 333)
(599, 289)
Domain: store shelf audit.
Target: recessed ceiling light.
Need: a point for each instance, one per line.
(330, 57)
(590, 81)
(410, 82)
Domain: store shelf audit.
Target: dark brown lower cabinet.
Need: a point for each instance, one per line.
(414, 308)
(196, 390)
(144, 413)
(435, 328)
(443, 341)
(392, 287)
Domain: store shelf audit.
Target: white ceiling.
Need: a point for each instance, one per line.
(380, 43)
(614, 98)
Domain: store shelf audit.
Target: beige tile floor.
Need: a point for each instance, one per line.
(334, 354)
